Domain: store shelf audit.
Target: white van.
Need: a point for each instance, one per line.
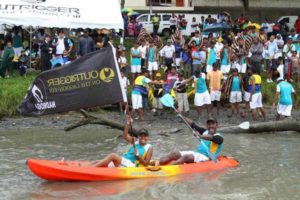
(164, 26)
(290, 20)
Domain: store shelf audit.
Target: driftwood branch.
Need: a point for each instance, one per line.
(90, 119)
(274, 126)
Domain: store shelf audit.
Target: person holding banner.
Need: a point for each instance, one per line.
(139, 153)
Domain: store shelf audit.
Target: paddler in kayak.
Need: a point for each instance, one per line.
(139, 153)
(211, 143)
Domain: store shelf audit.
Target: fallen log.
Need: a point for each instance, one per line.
(272, 126)
(90, 119)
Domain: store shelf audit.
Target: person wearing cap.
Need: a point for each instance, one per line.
(46, 53)
(86, 44)
(139, 153)
(139, 90)
(168, 52)
(181, 94)
(152, 56)
(283, 96)
(211, 143)
(62, 43)
(255, 100)
(157, 93)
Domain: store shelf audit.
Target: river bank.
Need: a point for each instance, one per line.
(157, 124)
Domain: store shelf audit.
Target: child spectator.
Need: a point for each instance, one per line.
(23, 61)
(280, 68)
(65, 57)
(246, 96)
(181, 94)
(7, 57)
(215, 78)
(196, 56)
(186, 59)
(235, 91)
(157, 93)
(172, 77)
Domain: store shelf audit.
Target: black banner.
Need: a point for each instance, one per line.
(91, 80)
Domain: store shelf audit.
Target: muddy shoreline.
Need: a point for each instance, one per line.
(162, 123)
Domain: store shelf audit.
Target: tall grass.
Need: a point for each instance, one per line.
(12, 92)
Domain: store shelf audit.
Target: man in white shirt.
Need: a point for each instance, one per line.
(194, 26)
(168, 53)
(62, 43)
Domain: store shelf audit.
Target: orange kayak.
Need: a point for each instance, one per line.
(77, 171)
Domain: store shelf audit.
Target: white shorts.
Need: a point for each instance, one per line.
(256, 101)
(241, 67)
(247, 96)
(137, 101)
(177, 62)
(284, 110)
(124, 163)
(125, 95)
(215, 95)
(225, 69)
(135, 68)
(152, 66)
(198, 157)
(235, 97)
(209, 68)
(202, 98)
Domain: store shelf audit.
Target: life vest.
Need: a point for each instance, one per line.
(207, 147)
(142, 150)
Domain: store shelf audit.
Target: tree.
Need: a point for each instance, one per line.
(245, 5)
(122, 4)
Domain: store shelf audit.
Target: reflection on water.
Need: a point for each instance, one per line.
(269, 167)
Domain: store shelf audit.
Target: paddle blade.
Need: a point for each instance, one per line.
(245, 125)
(167, 100)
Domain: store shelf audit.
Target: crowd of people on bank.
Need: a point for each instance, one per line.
(217, 65)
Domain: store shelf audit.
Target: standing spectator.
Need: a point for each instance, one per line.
(256, 51)
(158, 93)
(7, 60)
(155, 21)
(124, 85)
(172, 77)
(181, 94)
(284, 91)
(255, 95)
(122, 61)
(218, 47)
(203, 55)
(234, 89)
(297, 25)
(178, 51)
(135, 60)
(46, 54)
(168, 53)
(194, 26)
(280, 68)
(211, 57)
(86, 44)
(225, 59)
(17, 41)
(215, 78)
(295, 66)
(196, 38)
(246, 94)
(272, 49)
(143, 51)
(62, 43)
(241, 56)
(152, 56)
(287, 53)
(196, 56)
(186, 61)
(183, 24)
(173, 23)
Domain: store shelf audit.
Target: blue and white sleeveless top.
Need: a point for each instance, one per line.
(142, 152)
(207, 147)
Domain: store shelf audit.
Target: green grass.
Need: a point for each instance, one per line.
(12, 92)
